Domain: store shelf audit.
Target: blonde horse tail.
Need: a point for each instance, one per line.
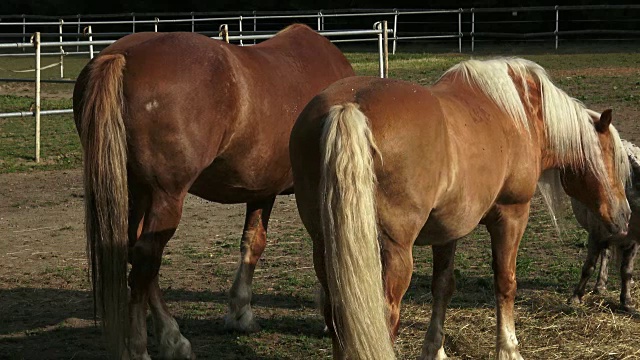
(352, 250)
(103, 137)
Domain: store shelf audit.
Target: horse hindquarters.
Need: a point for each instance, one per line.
(342, 223)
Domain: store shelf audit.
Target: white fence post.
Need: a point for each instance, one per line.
(24, 30)
(378, 26)
(460, 30)
(224, 32)
(240, 23)
(473, 30)
(193, 23)
(395, 30)
(255, 26)
(155, 25)
(36, 44)
(61, 51)
(133, 22)
(90, 33)
(556, 32)
(79, 31)
(385, 37)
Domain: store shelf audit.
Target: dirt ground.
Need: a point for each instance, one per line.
(45, 302)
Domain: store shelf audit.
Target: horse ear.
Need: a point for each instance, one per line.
(602, 125)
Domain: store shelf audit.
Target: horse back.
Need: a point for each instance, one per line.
(215, 117)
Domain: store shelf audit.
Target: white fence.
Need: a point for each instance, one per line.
(379, 33)
(551, 23)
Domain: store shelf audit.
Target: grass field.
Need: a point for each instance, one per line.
(199, 263)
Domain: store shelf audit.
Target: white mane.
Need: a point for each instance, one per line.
(569, 125)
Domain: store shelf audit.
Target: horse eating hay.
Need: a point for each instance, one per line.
(600, 239)
(161, 115)
(380, 165)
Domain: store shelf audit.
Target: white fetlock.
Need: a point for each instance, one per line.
(509, 354)
(243, 322)
(178, 348)
(441, 354)
(143, 356)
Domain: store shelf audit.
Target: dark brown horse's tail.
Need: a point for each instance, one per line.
(103, 137)
(352, 252)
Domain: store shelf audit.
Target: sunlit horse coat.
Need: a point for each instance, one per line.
(380, 165)
(600, 239)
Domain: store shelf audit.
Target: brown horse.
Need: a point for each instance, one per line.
(380, 165)
(163, 115)
(600, 240)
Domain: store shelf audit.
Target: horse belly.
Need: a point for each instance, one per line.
(231, 185)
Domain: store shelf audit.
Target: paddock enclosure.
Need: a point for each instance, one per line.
(46, 309)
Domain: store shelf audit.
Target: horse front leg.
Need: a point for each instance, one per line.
(594, 249)
(506, 224)
(254, 240)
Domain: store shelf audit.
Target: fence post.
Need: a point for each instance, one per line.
(460, 30)
(24, 30)
(193, 23)
(473, 30)
(240, 23)
(395, 30)
(155, 25)
(255, 26)
(90, 33)
(378, 26)
(224, 32)
(385, 42)
(79, 30)
(36, 44)
(133, 22)
(61, 51)
(556, 32)
(318, 26)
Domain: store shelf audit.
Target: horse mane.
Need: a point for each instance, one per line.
(570, 132)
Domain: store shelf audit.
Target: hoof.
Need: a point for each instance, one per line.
(574, 300)
(243, 323)
(176, 349)
(599, 290)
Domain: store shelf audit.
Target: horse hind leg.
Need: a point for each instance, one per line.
(160, 222)
(594, 247)
(254, 240)
(171, 343)
(626, 271)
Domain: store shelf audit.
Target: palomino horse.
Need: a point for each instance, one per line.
(600, 239)
(163, 115)
(380, 165)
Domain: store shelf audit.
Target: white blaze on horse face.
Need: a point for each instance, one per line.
(151, 105)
